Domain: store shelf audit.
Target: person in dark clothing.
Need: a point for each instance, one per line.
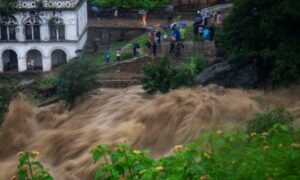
(135, 47)
(95, 47)
(196, 26)
(172, 47)
(158, 36)
(148, 45)
(212, 33)
(154, 48)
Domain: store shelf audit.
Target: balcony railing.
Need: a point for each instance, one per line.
(57, 4)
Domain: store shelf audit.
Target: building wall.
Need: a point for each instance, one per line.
(45, 48)
(75, 22)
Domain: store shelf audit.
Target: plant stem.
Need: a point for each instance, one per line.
(130, 170)
(106, 162)
(29, 164)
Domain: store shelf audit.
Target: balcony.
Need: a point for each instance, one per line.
(47, 4)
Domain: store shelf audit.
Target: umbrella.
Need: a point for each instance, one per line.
(142, 12)
(96, 10)
(164, 26)
(182, 24)
(169, 8)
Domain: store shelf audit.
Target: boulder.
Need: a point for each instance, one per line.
(228, 75)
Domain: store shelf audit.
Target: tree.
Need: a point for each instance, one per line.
(7, 7)
(265, 32)
(76, 78)
(147, 4)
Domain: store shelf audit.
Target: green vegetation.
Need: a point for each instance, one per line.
(45, 81)
(265, 32)
(274, 154)
(162, 77)
(261, 122)
(7, 7)
(76, 78)
(7, 93)
(126, 51)
(31, 169)
(147, 4)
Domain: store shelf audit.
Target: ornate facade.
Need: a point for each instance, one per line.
(42, 34)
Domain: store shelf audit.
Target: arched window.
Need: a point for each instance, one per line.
(32, 28)
(8, 28)
(57, 29)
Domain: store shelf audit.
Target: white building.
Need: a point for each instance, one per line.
(42, 34)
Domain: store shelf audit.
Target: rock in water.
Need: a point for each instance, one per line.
(229, 75)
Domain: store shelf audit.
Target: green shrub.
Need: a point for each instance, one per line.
(7, 93)
(262, 122)
(264, 32)
(46, 81)
(162, 77)
(31, 169)
(156, 77)
(75, 79)
(216, 155)
(182, 77)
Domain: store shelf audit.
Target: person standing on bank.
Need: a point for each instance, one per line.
(118, 54)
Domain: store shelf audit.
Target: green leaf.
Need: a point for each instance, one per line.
(96, 154)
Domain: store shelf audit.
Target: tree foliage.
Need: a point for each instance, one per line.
(162, 77)
(76, 78)
(7, 7)
(261, 122)
(147, 4)
(266, 32)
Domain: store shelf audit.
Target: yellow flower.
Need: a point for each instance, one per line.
(35, 153)
(266, 147)
(265, 134)
(20, 153)
(219, 132)
(205, 177)
(253, 134)
(295, 145)
(142, 171)
(137, 152)
(207, 155)
(177, 147)
(159, 168)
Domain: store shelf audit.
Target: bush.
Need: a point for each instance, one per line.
(217, 155)
(157, 77)
(265, 32)
(46, 81)
(31, 169)
(262, 122)
(75, 79)
(7, 93)
(162, 77)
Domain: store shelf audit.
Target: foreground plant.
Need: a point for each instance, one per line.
(31, 169)
(273, 154)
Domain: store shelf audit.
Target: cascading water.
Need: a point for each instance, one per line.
(65, 138)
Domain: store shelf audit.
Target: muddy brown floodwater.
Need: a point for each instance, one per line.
(65, 138)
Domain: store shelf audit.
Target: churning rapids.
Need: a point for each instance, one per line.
(65, 138)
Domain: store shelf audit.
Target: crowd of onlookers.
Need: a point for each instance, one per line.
(203, 27)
